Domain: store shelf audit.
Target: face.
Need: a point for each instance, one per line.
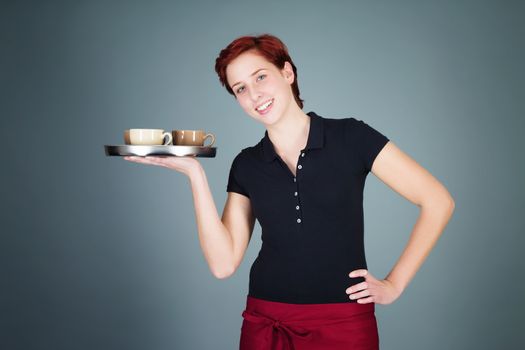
(263, 90)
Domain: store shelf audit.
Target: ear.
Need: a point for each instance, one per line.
(288, 73)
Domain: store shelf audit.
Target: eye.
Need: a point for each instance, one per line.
(261, 77)
(239, 90)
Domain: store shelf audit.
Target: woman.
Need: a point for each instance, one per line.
(309, 286)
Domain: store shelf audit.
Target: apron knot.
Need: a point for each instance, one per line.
(281, 329)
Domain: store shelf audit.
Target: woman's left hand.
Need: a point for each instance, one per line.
(372, 290)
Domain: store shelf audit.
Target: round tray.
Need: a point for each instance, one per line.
(170, 151)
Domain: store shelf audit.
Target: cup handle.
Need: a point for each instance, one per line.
(212, 139)
(170, 138)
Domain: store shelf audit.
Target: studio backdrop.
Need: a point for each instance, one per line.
(100, 253)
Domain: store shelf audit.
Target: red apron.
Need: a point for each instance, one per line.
(270, 325)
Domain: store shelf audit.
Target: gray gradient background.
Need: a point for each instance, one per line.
(100, 253)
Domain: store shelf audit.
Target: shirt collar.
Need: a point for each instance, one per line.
(315, 138)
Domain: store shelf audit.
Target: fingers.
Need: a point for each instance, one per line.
(357, 287)
(362, 294)
(371, 290)
(136, 159)
(358, 273)
(366, 300)
(146, 160)
(361, 291)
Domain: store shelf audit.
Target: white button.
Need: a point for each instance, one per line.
(295, 194)
(298, 221)
(294, 179)
(302, 155)
(297, 207)
(300, 166)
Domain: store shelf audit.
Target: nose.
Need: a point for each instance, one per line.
(255, 95)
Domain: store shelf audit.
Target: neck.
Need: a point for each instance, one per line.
(290, 132)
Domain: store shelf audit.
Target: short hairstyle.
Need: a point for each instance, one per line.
(266, 45)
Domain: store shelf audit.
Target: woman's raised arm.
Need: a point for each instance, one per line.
(223, 241)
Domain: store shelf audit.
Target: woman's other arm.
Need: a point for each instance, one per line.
(405, 176)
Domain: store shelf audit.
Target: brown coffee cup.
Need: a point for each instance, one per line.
(191, 137)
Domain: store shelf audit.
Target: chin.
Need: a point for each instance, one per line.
(270, 118)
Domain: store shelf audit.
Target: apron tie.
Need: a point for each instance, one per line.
(281, 329)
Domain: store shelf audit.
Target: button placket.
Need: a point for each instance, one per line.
(296, 193)
(297, 204)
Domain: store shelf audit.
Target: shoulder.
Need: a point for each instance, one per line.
(341, 125)
(349, 124)
(248, 154)
(356, 128)
(353, 125)
(337, 122)
(355, 133)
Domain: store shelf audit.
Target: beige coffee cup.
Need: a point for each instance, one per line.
(191, 137)
(147, 137)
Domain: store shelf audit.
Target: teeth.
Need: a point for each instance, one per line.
(264, 106)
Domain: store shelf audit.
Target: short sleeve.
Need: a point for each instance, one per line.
(369, 142)
(235, 179)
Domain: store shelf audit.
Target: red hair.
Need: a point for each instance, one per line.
(266, 45)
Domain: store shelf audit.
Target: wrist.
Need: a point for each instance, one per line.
(399, 287)
(195, 171)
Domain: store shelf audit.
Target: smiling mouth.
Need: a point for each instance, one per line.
(264, 106)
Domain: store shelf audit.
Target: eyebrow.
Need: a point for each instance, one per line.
(257, 71)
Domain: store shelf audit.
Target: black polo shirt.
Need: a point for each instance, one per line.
(312, 224)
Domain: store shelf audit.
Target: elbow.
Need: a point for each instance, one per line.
(223, 273)
(448, 206)
(450, 203)
(443, 203)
